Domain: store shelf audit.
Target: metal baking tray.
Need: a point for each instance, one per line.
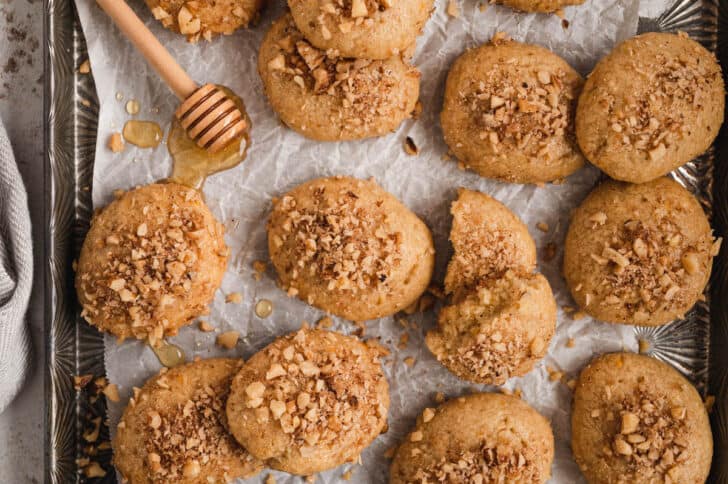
(696, 346)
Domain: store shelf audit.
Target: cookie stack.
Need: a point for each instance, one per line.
(339, 70)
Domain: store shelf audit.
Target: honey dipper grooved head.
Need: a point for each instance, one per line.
(211, 118)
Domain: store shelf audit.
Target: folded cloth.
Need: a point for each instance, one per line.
(16, 275)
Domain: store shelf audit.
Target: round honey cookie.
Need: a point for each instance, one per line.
(540, 6)
(638, 254)
(653, 104)
(326, 97)
(363, 29)
(636, 419)
(175, 429)
(488, 240)
(309, 401)
(480, 438)
(205, 18)
(509, 111)
(497, 331)
(348, 247)
(151, 262)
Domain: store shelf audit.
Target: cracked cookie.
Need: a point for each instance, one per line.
(653, 104)
(508, 112)
(348, 247)
(636, 419)
(481, 438)
(151, 262)
(309, 401)
(500, 317)
(638, 254)
(327, 97)
(174, 428)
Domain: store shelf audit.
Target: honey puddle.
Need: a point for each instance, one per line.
(192, 164)
(144, 134)
(169, 355)
(263, 308)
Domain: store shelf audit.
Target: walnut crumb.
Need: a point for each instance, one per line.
(228, 340)
(115, 143)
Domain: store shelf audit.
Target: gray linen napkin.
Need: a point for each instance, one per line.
(16, 275)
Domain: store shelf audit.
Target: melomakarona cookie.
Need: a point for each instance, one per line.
(151, 262)
(205, 19)
(479, 438)
(653, 104)
(638, 254)
(366, 29)
(309, 401)
(175, 429)
(509, 112)
(636, 419)
(348, 247)
(327, 97)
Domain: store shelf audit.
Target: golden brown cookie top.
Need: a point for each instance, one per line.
(309, 401)
(480, 438)
(174, 429)
(636, 419)
(150, 262)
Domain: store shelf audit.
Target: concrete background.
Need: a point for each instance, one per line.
(21, 108)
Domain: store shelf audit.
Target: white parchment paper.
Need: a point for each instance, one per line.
(280, 159)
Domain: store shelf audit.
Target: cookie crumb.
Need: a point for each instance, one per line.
(542, 226)
(453, 9)
(228, 340)
(85, 67)
(409, 361)
(439, 397)
(234, 297)
(325, 322)
(115, 143)
(205, 327)
(112, 392)
(644, 346)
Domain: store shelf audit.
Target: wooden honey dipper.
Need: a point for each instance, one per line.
(207, 114)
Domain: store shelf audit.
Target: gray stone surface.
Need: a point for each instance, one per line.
(21, 108)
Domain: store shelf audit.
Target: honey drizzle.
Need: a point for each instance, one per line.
(144, 134)
(192, 164)
(169, 355)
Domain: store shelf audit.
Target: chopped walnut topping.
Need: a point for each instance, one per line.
(348, 12)
(228, 340)
(366, 89)
(319, 397)
(655, 124)
(190, 436)
(340, 241)
(647, 432)
(646, 266)
(527, 116)
(490, 463)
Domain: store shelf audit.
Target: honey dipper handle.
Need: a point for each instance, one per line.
(154, 52)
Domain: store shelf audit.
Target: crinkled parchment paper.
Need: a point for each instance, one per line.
(280, 159)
